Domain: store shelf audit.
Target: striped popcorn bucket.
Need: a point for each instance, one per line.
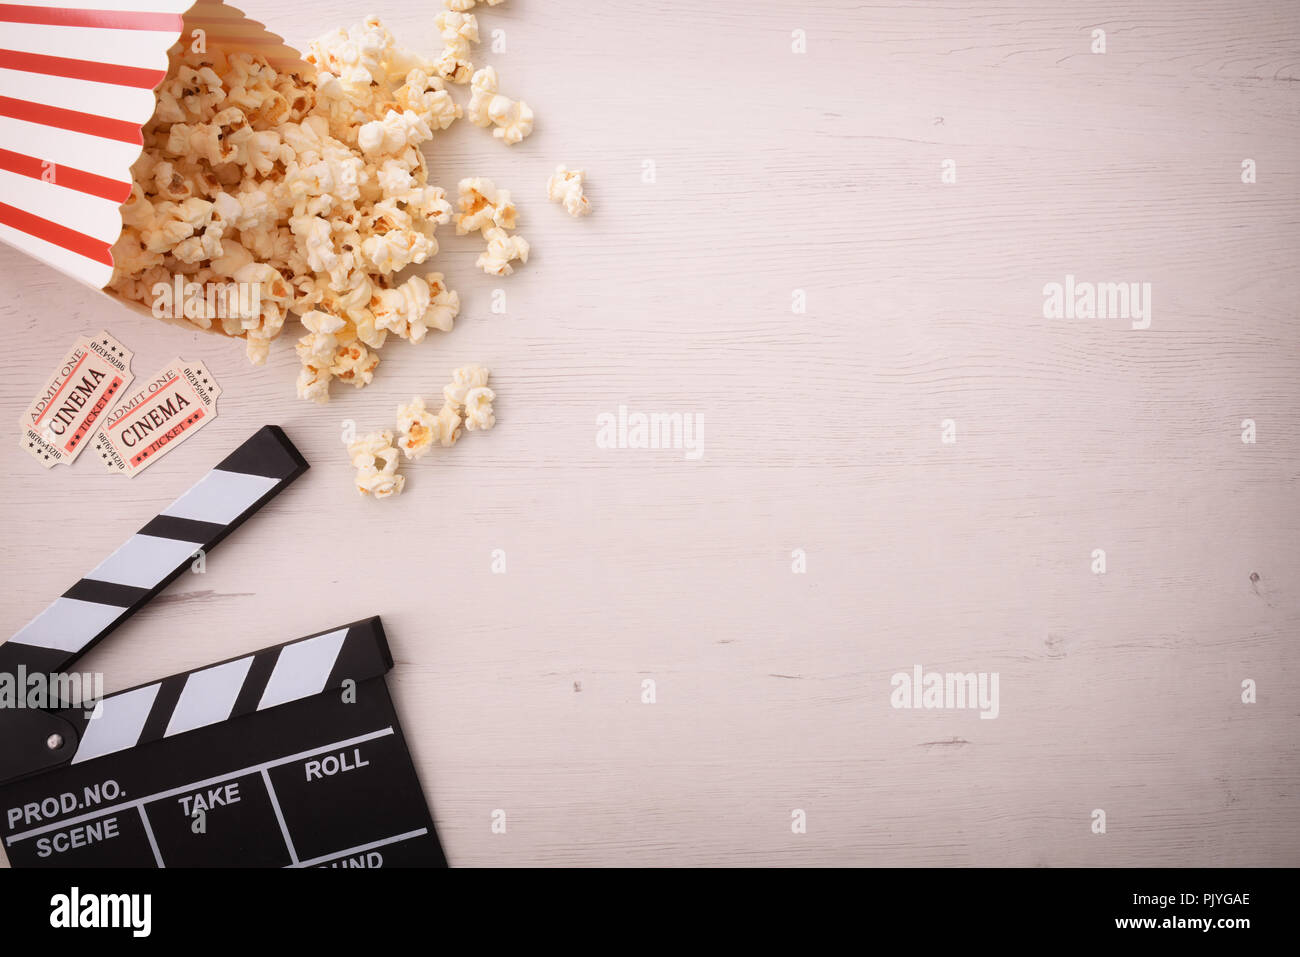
(76, 88)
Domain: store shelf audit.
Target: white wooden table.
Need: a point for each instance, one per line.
(777, 171)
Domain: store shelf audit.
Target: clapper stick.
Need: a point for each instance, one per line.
(292, 756)
(124, 582)
(156, 555)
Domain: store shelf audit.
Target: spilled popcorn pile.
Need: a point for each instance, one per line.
(467, 401)
(315, 188)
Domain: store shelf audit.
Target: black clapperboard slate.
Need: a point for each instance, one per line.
(293, 756)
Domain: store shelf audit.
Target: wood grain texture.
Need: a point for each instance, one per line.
(774, 172)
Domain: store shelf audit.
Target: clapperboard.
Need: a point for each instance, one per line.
(289, 757)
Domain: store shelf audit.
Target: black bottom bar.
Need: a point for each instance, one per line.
(949, 911)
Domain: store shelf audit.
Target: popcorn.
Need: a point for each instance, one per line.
(483, 206)
(487, 106)
(478, 409)
(462, 380)
(489, 210)
(444, 306)
(502, 249)
(137, 210)
(416, 305)
(167, 229)
(355, 55)
(400, 186)
(418, 426)
(397, 249)
(565, 186)
(316, 351)
(257, 347)
(469, 395)
(316, 190)
(227, 258)
(376, 460)
(354, 364)
(463, 5)
(171, 184)
(467, 405)
(391, 135)
(447, 425)
(458, 30)
(311, 184)
(272, 295)
(514, 119)
(131, 255)
(427, 97)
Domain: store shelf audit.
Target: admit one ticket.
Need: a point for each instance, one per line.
(75, 399)
(156, 418)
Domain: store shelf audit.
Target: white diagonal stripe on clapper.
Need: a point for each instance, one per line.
(144, 561)
(208, 696)
(120, 719)
(67, 624)
(221, 496)
(302, 669)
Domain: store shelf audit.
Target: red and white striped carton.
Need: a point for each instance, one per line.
(76, 89)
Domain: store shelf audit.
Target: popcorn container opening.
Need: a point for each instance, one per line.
(76, 89)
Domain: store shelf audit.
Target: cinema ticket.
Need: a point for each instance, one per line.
(156, 418)
(75, 400)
